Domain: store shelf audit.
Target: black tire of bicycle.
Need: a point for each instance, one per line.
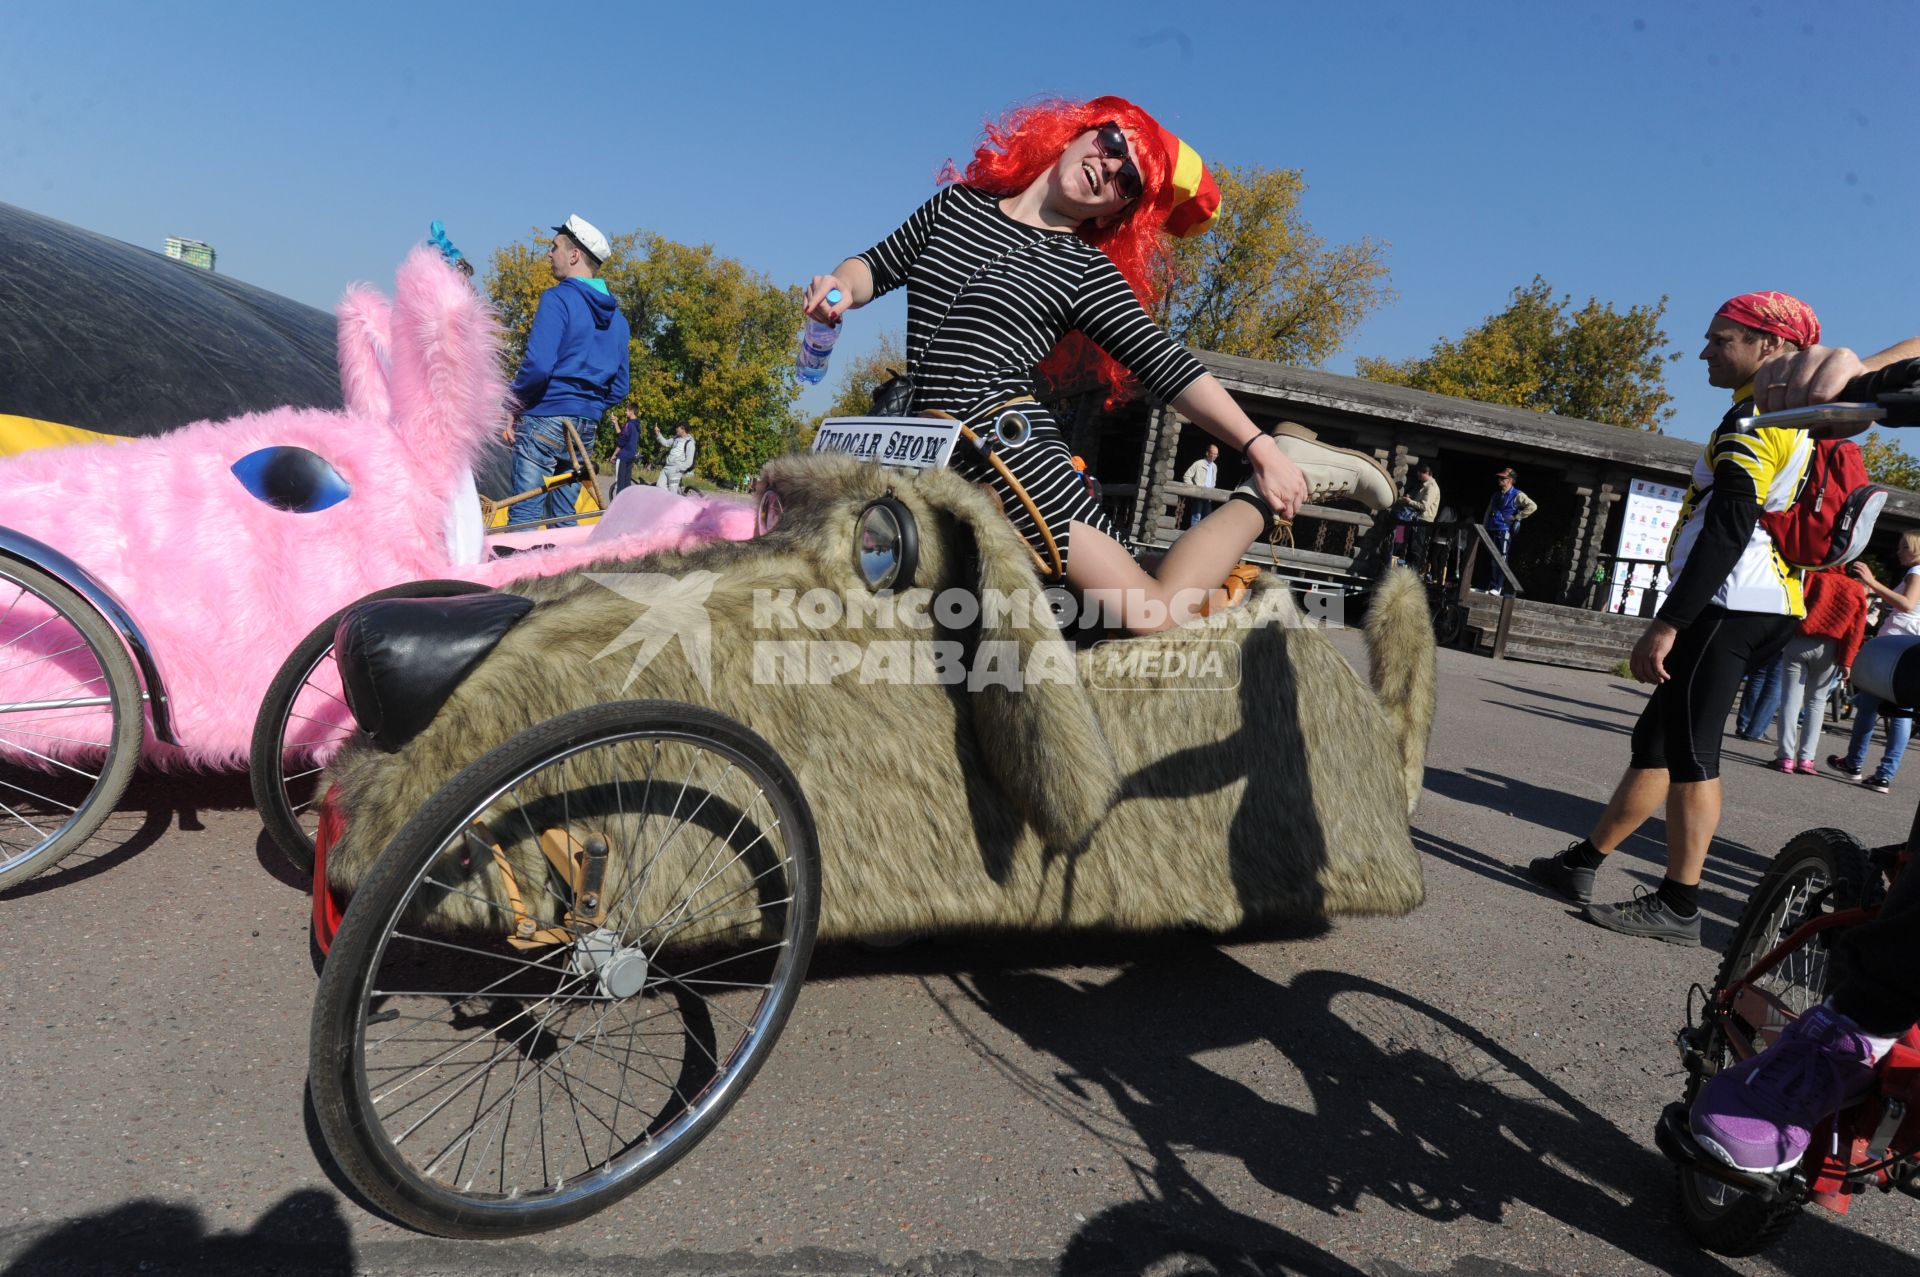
(338, 1097)
(266, 770)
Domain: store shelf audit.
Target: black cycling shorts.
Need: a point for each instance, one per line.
(1686, 717)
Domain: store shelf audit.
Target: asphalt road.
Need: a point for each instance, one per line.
(1469, 1090)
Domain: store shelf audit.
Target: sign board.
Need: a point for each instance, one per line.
(912, 442)
(1647, 523)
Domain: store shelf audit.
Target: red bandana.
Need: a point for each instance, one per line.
(1776, 313)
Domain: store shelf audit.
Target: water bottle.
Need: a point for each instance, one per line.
(816, 343)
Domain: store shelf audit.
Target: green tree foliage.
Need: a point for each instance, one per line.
(712, 344)
(1260, 283)
(1594, 363)
(1889, 463)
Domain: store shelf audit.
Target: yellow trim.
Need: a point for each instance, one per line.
(583, 505)
(1187, 171)
(24, 434)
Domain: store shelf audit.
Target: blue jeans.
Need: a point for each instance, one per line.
(1197, 510)
(1502, 539)
(539, 450)
(1865, 709)
(1761, 699)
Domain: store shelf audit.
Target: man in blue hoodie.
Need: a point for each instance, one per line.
(575, 367)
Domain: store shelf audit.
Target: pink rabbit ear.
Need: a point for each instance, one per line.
(449, 388)
(366, 326)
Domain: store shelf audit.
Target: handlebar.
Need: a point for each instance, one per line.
(1897, 410)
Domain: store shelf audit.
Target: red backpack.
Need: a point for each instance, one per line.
(1832, 516)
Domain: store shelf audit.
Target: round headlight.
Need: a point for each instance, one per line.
(888, 545)
(766, 514)
(1012, 428)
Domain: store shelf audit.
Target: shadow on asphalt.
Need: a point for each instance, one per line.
(1586, 703)
(1729, 876)
(1573, 720)
(1414, 1116)
(153, 803)
(302, 1233)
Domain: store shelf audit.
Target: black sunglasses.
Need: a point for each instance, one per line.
(1112, 142)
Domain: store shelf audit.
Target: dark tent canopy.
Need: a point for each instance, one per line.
(106, 337)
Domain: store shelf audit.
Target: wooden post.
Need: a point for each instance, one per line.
(1500, 631)
(1156, 472)
(1595, 546)
(1575, 562)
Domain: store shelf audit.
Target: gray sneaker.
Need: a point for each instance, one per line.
(1647, 916)
(1553, 871)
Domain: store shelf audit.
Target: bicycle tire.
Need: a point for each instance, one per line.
(123, 700)
(279, 798)
(527, 1013)
(1820, 870)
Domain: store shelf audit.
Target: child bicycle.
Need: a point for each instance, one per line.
(1786, 956)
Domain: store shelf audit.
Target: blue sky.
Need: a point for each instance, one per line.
(1621, 151)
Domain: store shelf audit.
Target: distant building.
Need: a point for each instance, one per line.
(190, 251)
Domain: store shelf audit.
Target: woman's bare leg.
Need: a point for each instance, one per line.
(1106, 576)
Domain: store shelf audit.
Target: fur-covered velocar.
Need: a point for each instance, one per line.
(1045, 788)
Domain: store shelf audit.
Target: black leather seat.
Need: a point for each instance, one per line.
(400, 659)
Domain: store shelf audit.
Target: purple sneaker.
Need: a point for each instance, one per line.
(1807, 768)
(1759, 1114)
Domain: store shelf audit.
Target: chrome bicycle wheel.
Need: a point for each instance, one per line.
(71, 721)
(564, 969)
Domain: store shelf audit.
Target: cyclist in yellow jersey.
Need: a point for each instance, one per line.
(1733, 603)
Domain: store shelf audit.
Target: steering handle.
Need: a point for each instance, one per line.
(1898, 410)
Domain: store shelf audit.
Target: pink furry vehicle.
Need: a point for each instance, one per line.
(151, 590)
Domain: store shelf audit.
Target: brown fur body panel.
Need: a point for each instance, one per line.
(1090, 803)
(1400, 653)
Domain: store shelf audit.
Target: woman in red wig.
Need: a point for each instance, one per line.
(1055, 228)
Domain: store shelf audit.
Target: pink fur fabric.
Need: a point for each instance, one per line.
(224, 585)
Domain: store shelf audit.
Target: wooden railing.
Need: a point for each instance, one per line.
(1613, 570)
(1326, 540)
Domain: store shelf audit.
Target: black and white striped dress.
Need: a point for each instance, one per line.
(1008, 292)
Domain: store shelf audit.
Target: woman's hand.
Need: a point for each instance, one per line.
(1280, 481)
(816, 305)
(1861, 572)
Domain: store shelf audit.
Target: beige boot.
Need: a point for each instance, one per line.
(1333, 473)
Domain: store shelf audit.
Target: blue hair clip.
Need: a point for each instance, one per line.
(437, 235)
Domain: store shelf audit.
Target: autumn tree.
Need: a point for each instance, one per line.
(1260, 283)
(1889, 463)
(712, 343)
(1595, 363)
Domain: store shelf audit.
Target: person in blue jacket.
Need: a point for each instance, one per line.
(574, 369)
(1505, 509)
(626, 451)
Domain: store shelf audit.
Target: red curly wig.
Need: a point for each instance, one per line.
(1027, 141)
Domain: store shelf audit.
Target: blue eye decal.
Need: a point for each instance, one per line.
(292, 479)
